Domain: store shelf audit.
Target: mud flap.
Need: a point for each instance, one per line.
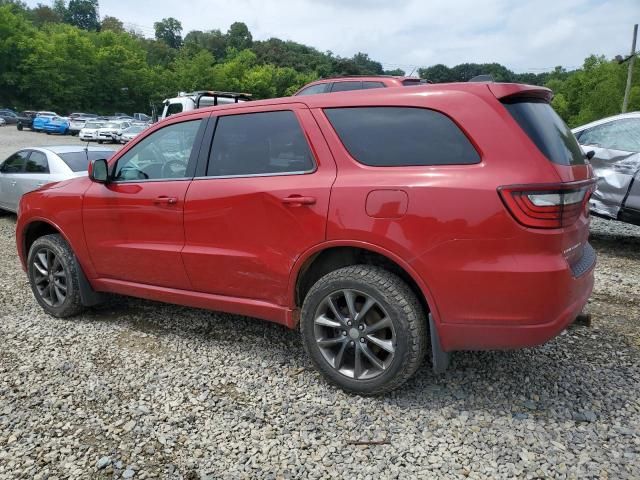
(439, 358)
(88, 296)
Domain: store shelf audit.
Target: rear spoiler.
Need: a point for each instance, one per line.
(507, 91)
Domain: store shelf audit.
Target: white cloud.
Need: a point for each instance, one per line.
(522, 35)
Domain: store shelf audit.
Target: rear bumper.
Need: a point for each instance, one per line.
(521, 305)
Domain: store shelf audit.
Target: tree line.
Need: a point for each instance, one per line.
(66, 58)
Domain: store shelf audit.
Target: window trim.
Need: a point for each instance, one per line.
(207, 151)
(191, 163)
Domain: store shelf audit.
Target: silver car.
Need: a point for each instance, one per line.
(615, 142)
(31, 168)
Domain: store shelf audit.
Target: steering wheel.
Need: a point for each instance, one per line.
(171, 167)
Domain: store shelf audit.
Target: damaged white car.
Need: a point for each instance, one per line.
(615, 142)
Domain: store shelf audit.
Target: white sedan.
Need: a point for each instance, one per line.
(31, 168)
(90, 130)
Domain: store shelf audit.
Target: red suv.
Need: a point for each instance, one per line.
(375, 221)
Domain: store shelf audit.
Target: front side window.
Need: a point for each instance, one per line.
(314, 89)
(401, 136)
(163, 155)
(37, 163)
(259, 144)
(621, 134)
(15, 163)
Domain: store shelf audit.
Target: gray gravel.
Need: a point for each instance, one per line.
(137, 389)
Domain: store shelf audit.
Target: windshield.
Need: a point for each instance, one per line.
(111, 125)
(79, 161)
(546, 129)
(92, 125)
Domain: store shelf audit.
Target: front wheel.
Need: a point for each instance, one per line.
(54, 276)
(19, 127)
(364, 329)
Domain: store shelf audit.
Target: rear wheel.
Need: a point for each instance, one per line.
(20, 127)
(364, 329)
(54, 276)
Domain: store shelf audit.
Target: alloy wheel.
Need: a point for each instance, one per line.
(354, 334)
(50, 277)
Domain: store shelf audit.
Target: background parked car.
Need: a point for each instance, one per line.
(58, 125)
(3, 122)
(109, 131)
(25, 119)
(77, 123)
(90, 130)
(130, 133)
(9, 117)
(41, 119)
(615, 142)
(32, 168)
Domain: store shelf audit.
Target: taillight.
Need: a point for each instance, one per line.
(554, 205)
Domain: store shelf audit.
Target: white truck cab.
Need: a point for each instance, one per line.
(185, 102)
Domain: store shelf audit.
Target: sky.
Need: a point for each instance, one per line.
(524, 35)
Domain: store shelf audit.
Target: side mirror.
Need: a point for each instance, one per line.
(589, 155)
(99, 171)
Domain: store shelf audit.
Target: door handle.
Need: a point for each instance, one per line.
(297, 200)
(13, 183)
(164, 200)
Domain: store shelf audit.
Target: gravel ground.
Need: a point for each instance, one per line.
(144, 390)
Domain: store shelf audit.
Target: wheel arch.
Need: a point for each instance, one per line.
(330, 256)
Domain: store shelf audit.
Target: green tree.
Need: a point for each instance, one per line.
(83, 14)
(169, 30)
(42, 14)
(112, 24)
(239, 36)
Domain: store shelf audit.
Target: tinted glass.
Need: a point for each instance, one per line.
(174, 108)
(346, 86)
(79, 161)
(37, 163)
(313, 89)
(547, 130)
(621, 134)
(259, 143)
(163, 155)
(401, 136)
(15, 163)
(367, 85)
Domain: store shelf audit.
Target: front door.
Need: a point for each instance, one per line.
(134, 224)
(11, 170)
(262, 201)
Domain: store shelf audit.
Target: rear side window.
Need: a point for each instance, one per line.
(79, 161)
(547, 130)
(401, 136)
(266, 143)
(37, 163)
(346, 86)
(367, 85)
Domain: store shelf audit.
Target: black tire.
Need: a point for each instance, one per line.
(399, 303)
(20, 127)
(72, 304)
(100, 142)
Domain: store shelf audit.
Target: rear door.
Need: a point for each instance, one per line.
(260, 201)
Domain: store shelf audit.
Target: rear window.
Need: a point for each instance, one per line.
(79, 161)
(547, 130)
(401, 136)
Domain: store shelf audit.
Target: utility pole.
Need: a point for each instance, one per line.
(632, 57)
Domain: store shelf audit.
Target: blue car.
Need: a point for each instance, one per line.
(57, 125)
(41, 121)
